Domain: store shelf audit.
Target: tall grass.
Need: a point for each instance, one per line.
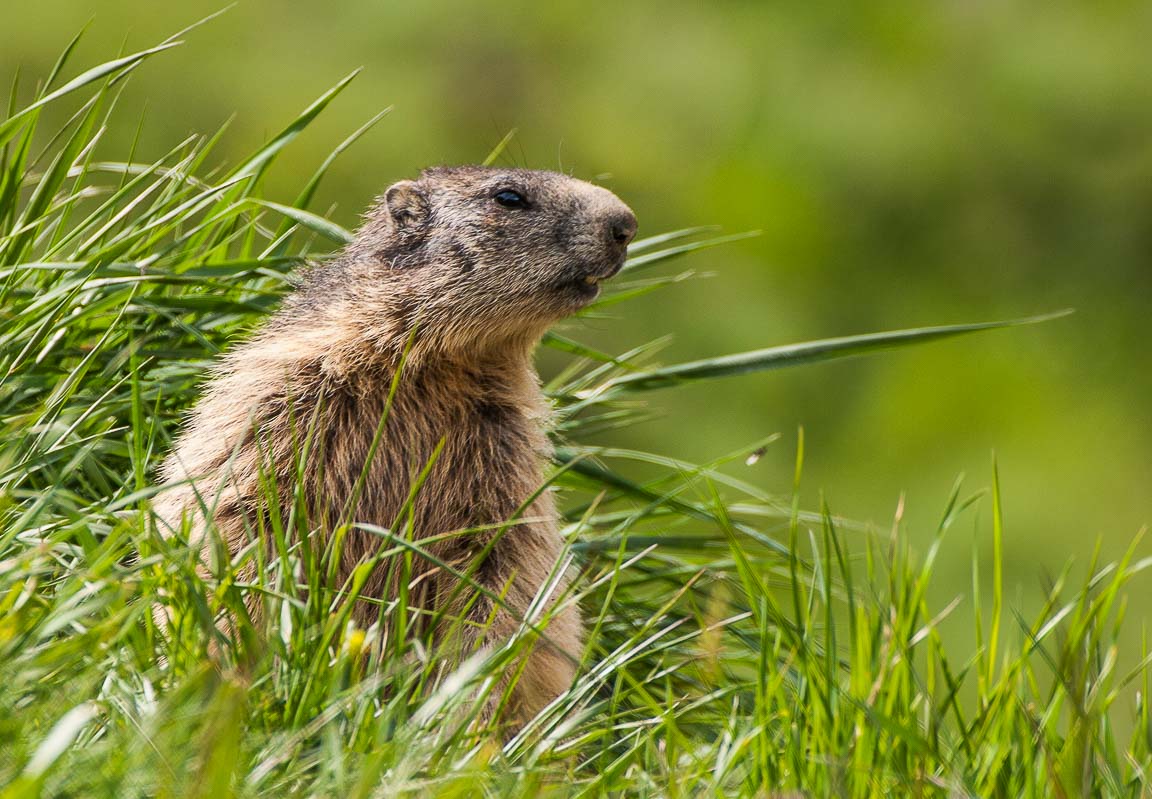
(739, 644)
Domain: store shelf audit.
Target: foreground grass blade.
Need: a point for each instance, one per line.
(796, 354)
(648, 259)
(260, 161)
(119, 65)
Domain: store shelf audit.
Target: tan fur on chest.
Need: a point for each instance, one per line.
(452, 447)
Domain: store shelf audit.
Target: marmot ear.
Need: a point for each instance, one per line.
(407, 204)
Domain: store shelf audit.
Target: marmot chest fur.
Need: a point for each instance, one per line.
(395, 388)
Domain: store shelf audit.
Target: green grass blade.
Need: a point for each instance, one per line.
(807, 352)
(119, 65)
(638, 262)
(65, 54)
(313, 222)
(259, 162)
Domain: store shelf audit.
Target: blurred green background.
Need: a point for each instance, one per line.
(908, 164)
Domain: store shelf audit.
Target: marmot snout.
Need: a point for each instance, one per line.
(456, 275)
(493, 252)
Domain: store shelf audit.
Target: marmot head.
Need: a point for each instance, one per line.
(472, 255)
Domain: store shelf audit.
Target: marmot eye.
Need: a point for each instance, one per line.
(511, 199)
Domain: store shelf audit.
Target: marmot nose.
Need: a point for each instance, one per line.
(622, 227)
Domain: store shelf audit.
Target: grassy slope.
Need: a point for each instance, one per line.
(739, 644)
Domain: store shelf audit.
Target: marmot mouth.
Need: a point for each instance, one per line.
(589, 275)
(593, 276)
(585, 288)
(586, 284)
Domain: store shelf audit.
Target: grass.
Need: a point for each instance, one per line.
(740, 644)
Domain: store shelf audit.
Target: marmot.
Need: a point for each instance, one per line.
(456, 275)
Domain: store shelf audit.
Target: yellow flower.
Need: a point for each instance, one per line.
(354, 641)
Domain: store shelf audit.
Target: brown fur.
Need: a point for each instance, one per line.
(461, 287)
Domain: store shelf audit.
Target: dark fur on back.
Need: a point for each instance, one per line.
(458, 282)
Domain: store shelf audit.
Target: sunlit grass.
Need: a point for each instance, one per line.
(741, 642)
